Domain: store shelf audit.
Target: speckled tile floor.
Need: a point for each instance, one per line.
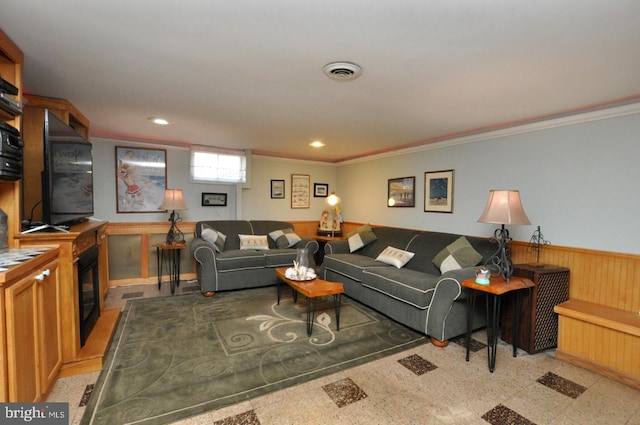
(424, 385)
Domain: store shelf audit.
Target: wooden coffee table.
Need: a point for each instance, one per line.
(312, 289)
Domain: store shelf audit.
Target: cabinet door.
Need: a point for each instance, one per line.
(22, 340)
(50, 326)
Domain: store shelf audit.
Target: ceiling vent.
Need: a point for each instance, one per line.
(342, 71)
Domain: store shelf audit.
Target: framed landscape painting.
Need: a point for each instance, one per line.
(214, 199)
(320, 190)
(401, 192)
(438, 191)
(277, 189)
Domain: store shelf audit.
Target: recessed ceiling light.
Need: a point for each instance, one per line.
(159, 121)
(316, 144)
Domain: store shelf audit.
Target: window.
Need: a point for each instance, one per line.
(211, 165)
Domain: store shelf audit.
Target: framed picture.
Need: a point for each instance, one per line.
(401, 192)
(141, 178)
(320, 190)
(214, 199)
(300, 190)
(438, 191)
(277, 189)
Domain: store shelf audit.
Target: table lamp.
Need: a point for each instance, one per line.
(173, 201)
(503, 207)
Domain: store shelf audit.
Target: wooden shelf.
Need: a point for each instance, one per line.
(601, 315)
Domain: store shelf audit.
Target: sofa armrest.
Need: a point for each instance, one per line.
(205, 257)
(447, 290)
(202, 251)
(337, 247)
(460, 274)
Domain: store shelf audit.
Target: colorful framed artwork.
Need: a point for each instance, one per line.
(401, 192)
(320, 190)
(300, 190)
(214, 199)
(141, 179)
(438, 191)
(277, 189)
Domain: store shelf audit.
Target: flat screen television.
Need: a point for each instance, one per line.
(67, 179)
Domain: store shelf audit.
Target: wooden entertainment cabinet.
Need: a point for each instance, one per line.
(39, 298)
(80, 239)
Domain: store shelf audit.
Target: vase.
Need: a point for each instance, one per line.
(302, 262)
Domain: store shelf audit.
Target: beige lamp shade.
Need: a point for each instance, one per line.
(173, 201)
(504, 207)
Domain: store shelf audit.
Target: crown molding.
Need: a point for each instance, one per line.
(544, 124)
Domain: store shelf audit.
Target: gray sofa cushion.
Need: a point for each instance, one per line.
(264, 227)
(280, 258)
(235, 259)
(350, 265)
(388, 236)
(231, 228)
(413, 287)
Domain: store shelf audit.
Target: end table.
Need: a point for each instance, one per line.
(494, 291)
(169, 254)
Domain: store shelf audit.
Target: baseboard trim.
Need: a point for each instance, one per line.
(625, 378)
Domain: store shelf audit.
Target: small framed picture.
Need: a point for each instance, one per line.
(320, 190)
(214, 199)
(277, 189)
(401, 192)
(438, 191)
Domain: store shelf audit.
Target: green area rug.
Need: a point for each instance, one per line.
(175, 357)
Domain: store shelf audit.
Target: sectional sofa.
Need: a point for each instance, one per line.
(406, 282)
(235, 254)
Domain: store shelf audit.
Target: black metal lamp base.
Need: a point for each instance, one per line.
(500, 263)
(174, 235)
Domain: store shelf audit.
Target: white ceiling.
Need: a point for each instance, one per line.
(248, 73)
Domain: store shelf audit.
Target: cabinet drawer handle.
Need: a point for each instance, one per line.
(44, 274)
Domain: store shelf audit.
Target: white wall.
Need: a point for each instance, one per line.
(255, 201)
(104, 183)
(578, 182)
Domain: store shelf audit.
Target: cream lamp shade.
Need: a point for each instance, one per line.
(173, 200)
(504, 207)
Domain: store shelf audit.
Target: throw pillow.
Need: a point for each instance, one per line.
(215, 238)
(285, 238)
(457, 255)
(361, 237)
(395, 257)
(254, 242)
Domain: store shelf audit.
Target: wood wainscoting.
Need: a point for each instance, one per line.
(599, 327)
(138, 255)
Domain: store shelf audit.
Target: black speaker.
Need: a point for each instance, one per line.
(538, 322)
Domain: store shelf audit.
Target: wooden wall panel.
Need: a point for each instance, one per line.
(602, 277)
(608, 278)
(604, 350)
